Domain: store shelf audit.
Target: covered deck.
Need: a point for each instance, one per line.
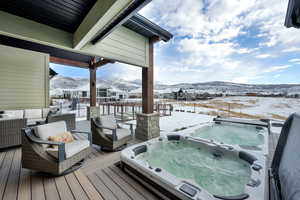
(99, 178)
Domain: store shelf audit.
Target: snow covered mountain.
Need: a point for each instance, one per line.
(61, 82)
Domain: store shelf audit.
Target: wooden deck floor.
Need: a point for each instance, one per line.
(97, 179)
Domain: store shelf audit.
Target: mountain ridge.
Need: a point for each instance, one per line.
(64, 82)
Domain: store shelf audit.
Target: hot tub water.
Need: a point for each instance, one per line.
(218, 173)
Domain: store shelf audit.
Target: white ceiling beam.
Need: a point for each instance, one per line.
(101, 14)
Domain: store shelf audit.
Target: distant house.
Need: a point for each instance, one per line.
(187, 94)
(104, 93)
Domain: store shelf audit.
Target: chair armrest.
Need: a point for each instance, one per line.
(84, 132)
(100, 126)
(34, 139)
(77, 131)
(113, 130)
(130, 126)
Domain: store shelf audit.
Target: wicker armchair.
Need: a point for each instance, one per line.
(108, 134)
(69, 118)
(35, 150)
(10, 132)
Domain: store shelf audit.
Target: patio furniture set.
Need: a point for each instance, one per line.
(64, 153)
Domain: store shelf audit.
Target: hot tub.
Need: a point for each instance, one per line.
(186, 168)
(251, 138)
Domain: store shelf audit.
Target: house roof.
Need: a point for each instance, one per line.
(292, 18)
(145, 27)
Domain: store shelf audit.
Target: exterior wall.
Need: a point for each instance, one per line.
(123, 45)
(24, 79)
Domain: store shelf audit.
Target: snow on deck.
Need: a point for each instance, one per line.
(179, 120)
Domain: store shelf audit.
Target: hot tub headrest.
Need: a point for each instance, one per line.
(173, 137)
(139, 149)
(247, 157)
(237, 197)
(285, 166)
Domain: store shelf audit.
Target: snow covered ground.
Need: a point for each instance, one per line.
(238, 106)
(242, 106)
(180, 120)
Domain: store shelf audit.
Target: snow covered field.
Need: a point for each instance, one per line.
(242, 106)
(238, 106)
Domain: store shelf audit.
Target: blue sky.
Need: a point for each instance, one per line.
(241, 41)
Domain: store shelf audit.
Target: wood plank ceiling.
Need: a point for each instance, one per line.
(62, 14)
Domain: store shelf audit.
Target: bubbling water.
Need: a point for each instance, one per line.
(218, 174)
(231, 134)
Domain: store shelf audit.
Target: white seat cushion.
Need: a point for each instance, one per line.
(70, 148)
(75, 147)
(108, 121)
(122, 132)
(14, 113)
(33, 114)
(51, 129)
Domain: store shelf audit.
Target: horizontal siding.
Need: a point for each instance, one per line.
(23, 79)
(122, 45)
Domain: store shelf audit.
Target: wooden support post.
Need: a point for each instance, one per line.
(147, 82)
(122, 110)
(114, 110)
(133, 112)
(93, 87)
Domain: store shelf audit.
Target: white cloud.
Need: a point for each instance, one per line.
(291, 49)
(276, 68)
(295, 60)
(207, 33)
(121, 71)
(262, 56)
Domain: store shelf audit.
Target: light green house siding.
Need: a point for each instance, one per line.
(24, 79)
(122, 45)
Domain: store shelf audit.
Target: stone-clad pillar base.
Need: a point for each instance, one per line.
(92, 112)
(147, 126)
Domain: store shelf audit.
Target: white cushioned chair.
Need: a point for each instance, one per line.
(38, 153)
(108, 134)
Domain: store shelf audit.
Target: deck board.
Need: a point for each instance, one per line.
(37, 187)
(139, 188)
(24, 190)
(101, 188)
(51, 191)
(63, 188)
(128, 189)
(12, 184)
(87, 186)
(4, 172)
(110, 184)
(76, 188)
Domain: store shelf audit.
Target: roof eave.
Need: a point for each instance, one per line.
(145, 23)
(118, 21)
